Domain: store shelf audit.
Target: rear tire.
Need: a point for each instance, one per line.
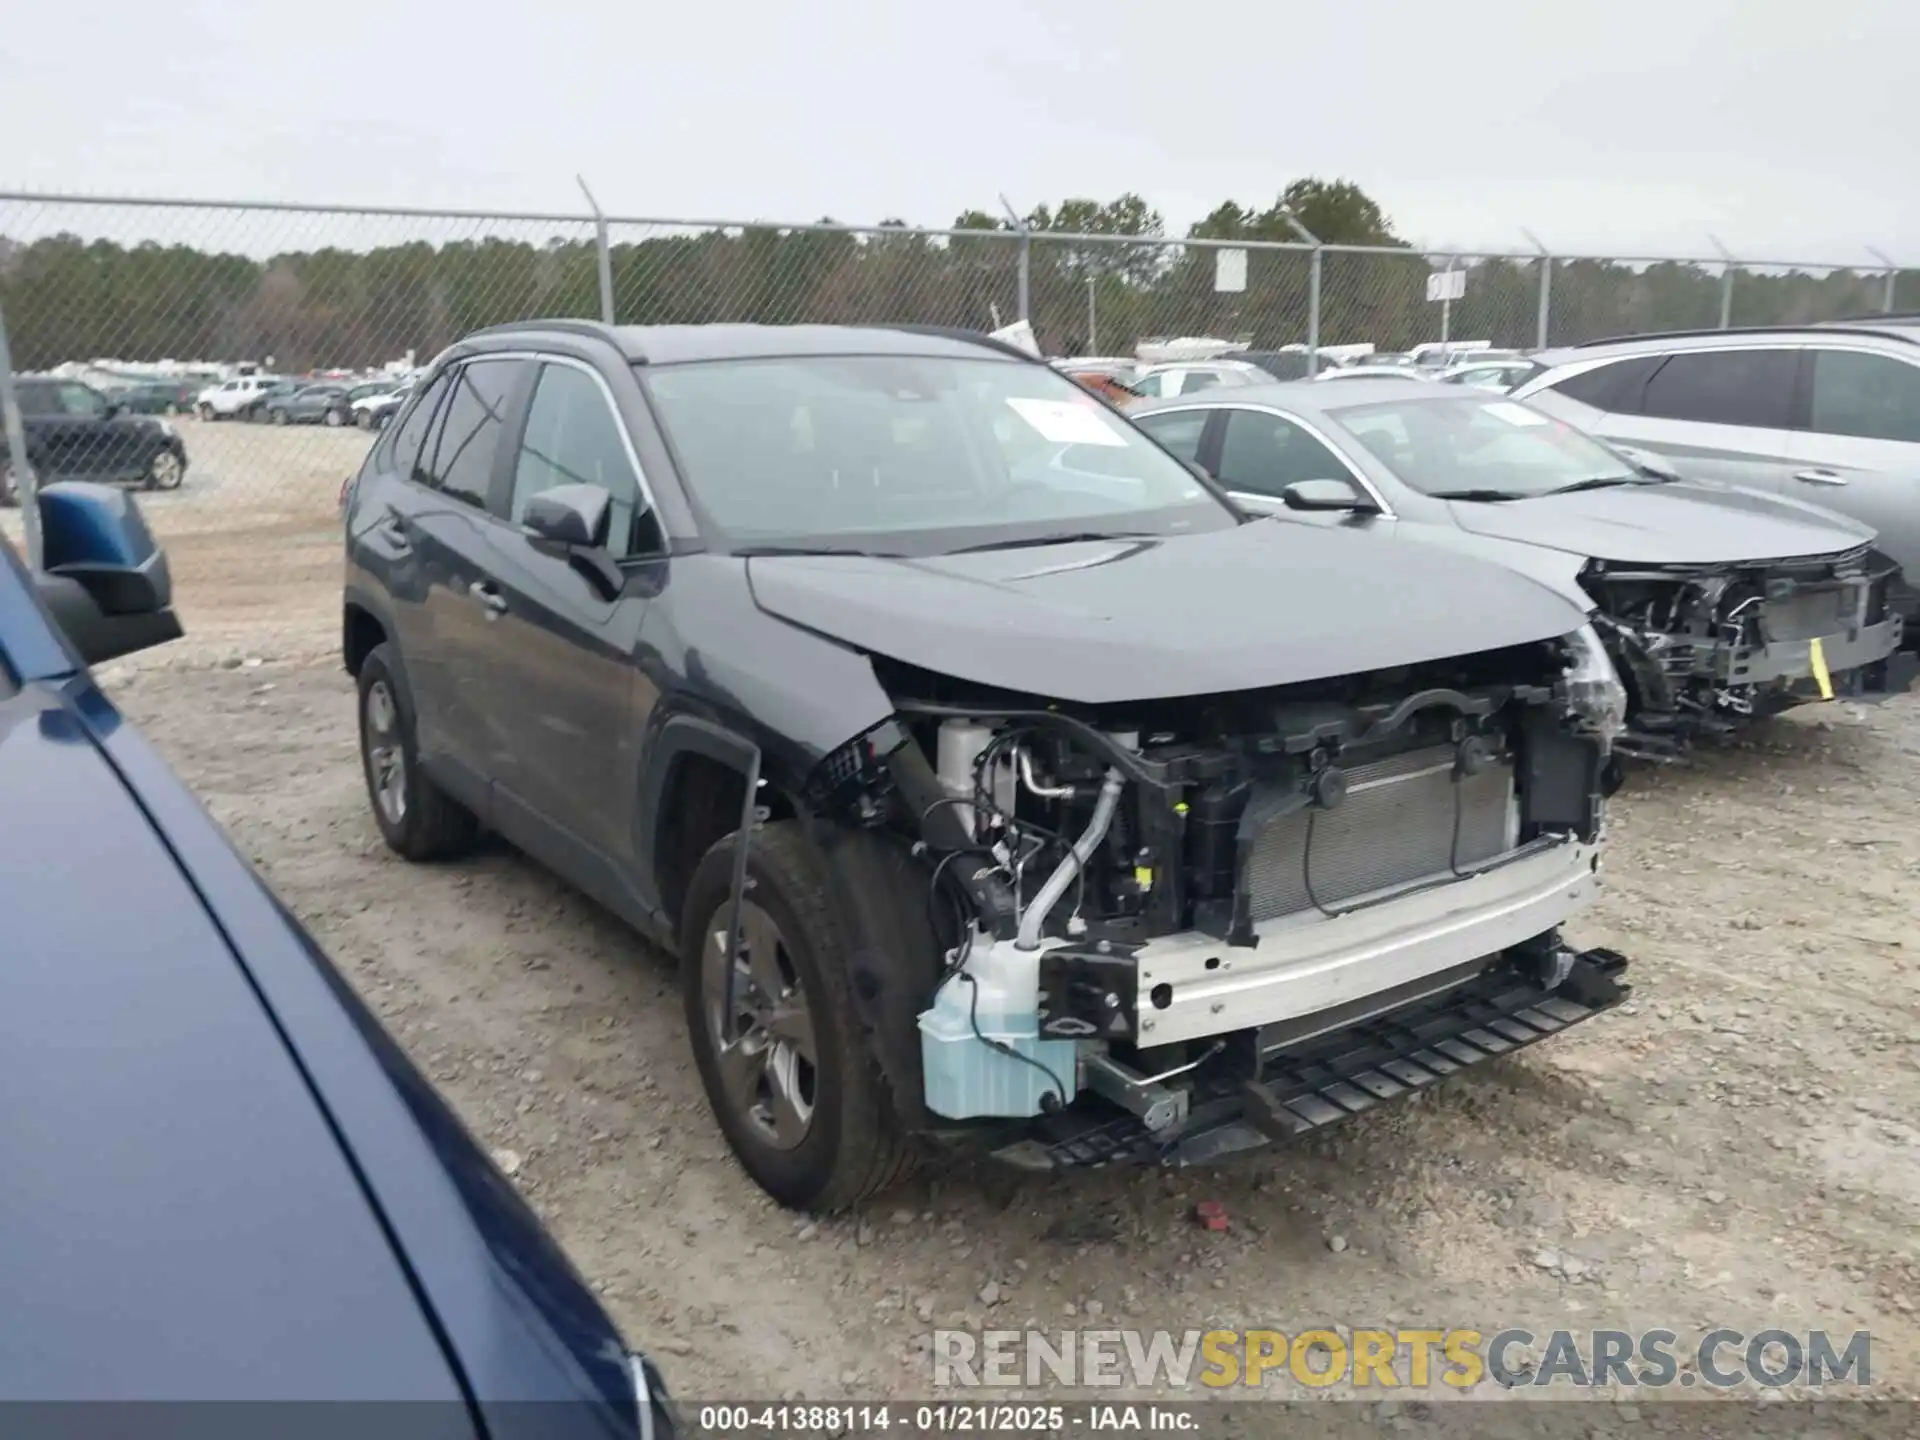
(335, 418)
(165, 471)
(851, 1147)
(9, 486)
(417, 818)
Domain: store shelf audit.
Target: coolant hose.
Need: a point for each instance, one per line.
(1035, 916)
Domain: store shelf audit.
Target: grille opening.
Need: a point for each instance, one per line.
(1406, 818)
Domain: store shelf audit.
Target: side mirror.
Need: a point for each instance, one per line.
(1323, 495)
(1648, 464)
(572, 516)
(575, 519)
(104, 580)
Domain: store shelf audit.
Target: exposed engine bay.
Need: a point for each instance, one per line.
(1143, 908)
(1702, 647)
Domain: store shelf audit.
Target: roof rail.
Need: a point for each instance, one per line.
(1823, 326)
(561, 324)
(971, 337)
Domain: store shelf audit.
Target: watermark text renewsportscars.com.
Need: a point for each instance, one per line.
(1401, 1358)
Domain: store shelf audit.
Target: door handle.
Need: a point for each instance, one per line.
(393, 528)
(487, 595)
(1820, 477)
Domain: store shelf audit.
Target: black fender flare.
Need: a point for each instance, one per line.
(678, 737)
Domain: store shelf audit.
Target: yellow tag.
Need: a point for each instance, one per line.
(1143, 876)
(1820, 674)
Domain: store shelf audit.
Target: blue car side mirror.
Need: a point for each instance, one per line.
(103, 577)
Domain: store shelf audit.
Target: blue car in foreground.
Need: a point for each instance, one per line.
(224, 1180)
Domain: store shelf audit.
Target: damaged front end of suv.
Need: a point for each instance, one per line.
(1173, 929)
(1704, 647)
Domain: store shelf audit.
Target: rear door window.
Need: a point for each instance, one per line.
(1725, 387)
(1614, 387)
(473, 417)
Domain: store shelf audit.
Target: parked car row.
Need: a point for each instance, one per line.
(276, 400)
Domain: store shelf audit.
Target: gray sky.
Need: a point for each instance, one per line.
(1781, 126)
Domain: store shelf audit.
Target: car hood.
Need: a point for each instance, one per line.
(1101, 622)
(179, 1221)
(1676, 523)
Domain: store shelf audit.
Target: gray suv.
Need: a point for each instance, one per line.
(1828, 413)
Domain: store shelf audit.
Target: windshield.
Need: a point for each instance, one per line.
(1459, 443)
(915, 454)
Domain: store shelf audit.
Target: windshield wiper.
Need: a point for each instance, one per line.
(1606, 482)
(1488, 495)
(1065, 538)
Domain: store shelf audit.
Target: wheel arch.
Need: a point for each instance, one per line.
(693, 793)
(362, 628)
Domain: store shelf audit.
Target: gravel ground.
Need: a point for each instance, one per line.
(1735, 1147)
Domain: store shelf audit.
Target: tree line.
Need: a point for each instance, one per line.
(68, 297)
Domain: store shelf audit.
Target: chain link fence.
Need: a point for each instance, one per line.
(150, 303)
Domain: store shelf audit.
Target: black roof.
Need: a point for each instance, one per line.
(678, 344)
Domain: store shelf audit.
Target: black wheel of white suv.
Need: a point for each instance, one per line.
(786, 1066)
(416, 818)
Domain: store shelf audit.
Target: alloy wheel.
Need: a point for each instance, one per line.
(164, 470)
(386, 758)
(764, 1041)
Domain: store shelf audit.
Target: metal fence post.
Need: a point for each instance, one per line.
(1313, 288)
(1093, 322)
(1893, 278)
(1726, 283)
(1024, 298)
(25, 487)
(1546, 290)
(602, 251)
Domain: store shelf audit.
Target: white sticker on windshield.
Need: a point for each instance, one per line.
(1515, 414)
(1068, 422)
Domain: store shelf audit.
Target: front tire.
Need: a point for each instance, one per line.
(417, 818)
(788, 1073)
(9, 486)
(335, 418)
(205, 412)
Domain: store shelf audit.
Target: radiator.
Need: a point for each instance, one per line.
(1810, 613)
(1405, 818)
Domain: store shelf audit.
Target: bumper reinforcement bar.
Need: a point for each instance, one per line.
(1340, 1073)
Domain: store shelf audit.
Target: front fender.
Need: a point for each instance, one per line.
(1557, 570)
